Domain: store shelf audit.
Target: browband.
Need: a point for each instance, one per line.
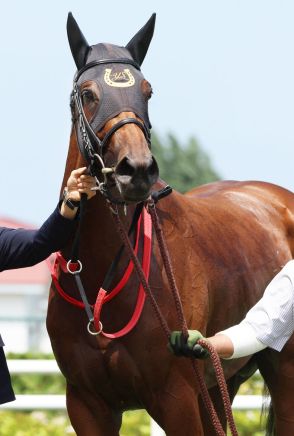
(103, 62)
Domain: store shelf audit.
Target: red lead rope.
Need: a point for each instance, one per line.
(103, 297)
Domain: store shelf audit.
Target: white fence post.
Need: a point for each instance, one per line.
(155, 430)
(57, 402)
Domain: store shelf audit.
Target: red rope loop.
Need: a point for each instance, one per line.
(222, 384)
(207, 400)
(168, 268)
(215, 359)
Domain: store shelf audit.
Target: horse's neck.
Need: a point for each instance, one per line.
(98, 221)
(96, 225)
(99, 238)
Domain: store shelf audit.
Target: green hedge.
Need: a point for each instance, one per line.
(136, 423)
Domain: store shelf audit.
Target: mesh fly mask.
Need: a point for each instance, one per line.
(119, 80)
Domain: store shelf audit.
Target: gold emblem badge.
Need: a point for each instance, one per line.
(119, 79)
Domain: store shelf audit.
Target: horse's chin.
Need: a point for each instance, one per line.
(134, 201)
(135, 198)
(131, 194)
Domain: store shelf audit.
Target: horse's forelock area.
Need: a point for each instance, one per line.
(107, 51)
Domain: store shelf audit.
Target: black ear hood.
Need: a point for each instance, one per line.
(78, 44)
(139, 44)
(137, 47)
(120, 83)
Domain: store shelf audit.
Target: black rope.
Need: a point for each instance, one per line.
(76, 242)
(83, 295)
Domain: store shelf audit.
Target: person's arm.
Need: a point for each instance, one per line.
(77, 184)
(237, 341)
(269, 323)
(222, 344)
(232, 343)
(21, 248)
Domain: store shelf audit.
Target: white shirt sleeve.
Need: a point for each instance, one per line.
(269, 323)
(243, 339)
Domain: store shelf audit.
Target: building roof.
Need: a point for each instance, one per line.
(38, 274)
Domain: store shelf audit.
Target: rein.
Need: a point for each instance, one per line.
(94, 311)
(176, 296)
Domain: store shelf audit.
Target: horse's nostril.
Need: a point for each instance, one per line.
(153, 170)
(139, 175)
(125, 168)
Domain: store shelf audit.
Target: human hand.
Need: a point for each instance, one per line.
(80, 183)
(179, 347)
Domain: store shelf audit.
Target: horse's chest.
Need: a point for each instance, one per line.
(108, 372)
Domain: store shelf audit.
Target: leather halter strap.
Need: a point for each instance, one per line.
(122, 123)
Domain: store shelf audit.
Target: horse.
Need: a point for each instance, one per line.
(226, 241)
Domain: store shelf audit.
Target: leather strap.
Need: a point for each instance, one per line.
(123, 123)
(103, 62)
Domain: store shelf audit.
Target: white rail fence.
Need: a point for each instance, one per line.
(57, 402)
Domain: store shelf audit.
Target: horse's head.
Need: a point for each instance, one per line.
(110, 111)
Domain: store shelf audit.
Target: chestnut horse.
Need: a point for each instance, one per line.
(226, 241)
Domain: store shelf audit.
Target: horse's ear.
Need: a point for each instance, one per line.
(139, 44)
(78, 44)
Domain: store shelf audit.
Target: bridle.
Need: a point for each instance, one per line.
(91, 147)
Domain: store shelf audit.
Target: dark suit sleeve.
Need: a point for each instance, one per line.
(6, 391)
(21, 248)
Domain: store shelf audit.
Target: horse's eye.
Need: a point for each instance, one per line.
(87, 96)
(146, 89)
(149, 95)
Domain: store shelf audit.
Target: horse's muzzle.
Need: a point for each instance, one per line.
(135, 177)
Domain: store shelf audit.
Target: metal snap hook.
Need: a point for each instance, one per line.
(150, 203)
(76, 271)
(94, 333)
(113, 207)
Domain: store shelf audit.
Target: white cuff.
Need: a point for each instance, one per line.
(244, 340)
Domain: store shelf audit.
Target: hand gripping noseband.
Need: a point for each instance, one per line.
(90, 146)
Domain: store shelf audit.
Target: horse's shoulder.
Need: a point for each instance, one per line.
(250, 190)
(209, 189)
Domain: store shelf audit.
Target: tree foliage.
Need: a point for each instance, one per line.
(183, 166)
